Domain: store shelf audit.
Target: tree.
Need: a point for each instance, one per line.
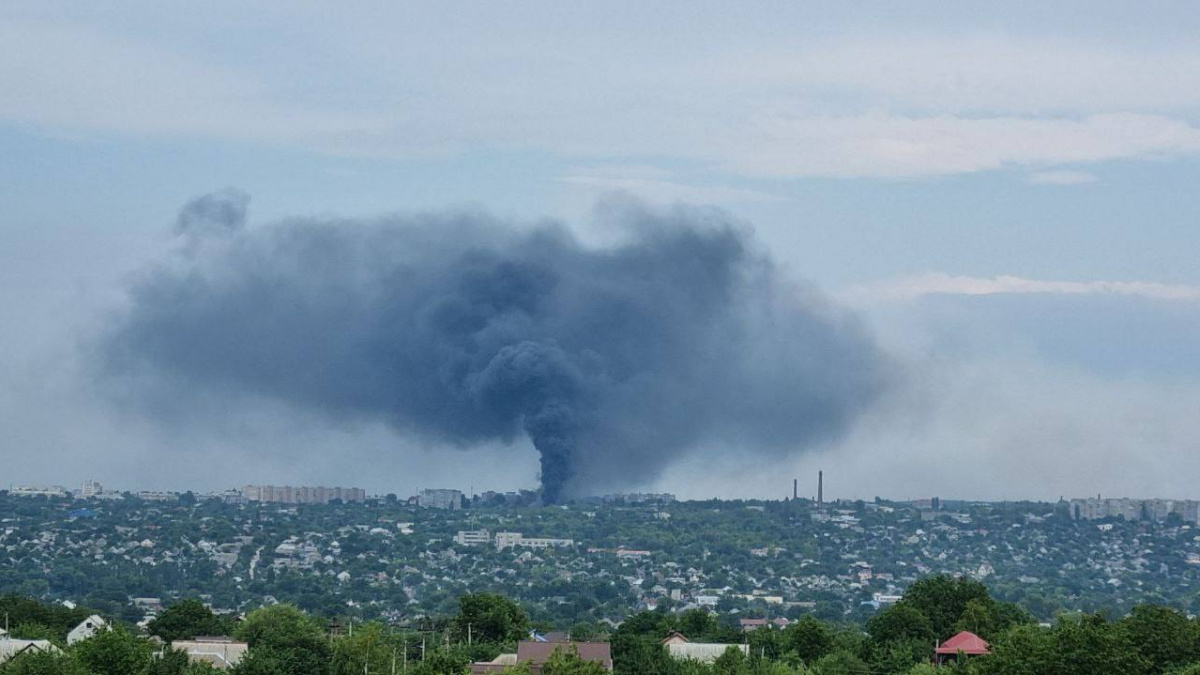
(1021, 650)
(185, 620)
(900, 622)
(1165, 638)
(1094, 646)
(367, 651)
(44, 663)
(283, 640)
(942, 599)
(840, 663)
(487, 617)
(567, 662)
(114, 651)
(810, 638)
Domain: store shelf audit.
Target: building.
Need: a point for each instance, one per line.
(158, 496)
(682, 649)
(219, 652)
(11, 647)
(449, 500)
(516, 539)
(472, 537)
(537, 653)
(286, 494)
(37, 491)
(91, 489)
(1157, 510)
(86, 629)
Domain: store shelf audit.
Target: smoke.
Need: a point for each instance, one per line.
(462, 329)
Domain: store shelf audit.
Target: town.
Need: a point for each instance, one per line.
(336, 552)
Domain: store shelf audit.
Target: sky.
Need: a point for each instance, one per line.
(1003, 193)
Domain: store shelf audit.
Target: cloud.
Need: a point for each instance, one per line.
(908, 288)
(890, 146)
(1062, 178)
(659, 187)
(856, 105)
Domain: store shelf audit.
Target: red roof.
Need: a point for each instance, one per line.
(967, 643)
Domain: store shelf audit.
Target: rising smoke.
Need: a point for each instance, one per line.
(615, 361)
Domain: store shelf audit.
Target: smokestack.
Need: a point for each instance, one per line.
(795, 489)
(820, 489)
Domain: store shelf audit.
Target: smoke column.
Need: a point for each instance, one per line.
(462, 329)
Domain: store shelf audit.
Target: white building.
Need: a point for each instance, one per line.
(86, 629)
(91, 488)
(506, 539)
(37, 491)
(472, 537)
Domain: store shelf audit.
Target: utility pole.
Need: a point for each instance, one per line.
(468, 635)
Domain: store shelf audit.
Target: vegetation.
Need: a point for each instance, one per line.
(285, 640)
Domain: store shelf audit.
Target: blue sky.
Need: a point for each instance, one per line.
(1004, 191)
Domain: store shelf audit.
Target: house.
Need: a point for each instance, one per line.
(682, 649)
(965, 643)
(11, 648)
(86, 629)
(537, 653)
(218, 651)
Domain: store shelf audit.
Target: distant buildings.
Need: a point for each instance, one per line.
(639, 498)
(91, 488)
(472, 537)
(516, 539)
(449, 500)
(38, 491)
(287, 494)
(1135, 509)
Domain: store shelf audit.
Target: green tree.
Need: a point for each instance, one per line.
(487, 617)
(1095, 646)
(44, 663)
(810, 638)
(185, 620)
(114, 651)
(283, 639)
(840, 663)
(567, 662)
(1021, 650)
(1165, 638)
(368, 651)
(943, 599)
(900, 622)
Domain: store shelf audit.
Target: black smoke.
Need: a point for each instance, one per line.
(457, 327)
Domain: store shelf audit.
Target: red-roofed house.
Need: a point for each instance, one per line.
(965, 643)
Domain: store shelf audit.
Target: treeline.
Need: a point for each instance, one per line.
(900, 640)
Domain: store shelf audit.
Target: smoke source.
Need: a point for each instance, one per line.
(614, 361)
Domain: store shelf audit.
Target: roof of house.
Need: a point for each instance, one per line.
(965, 642)
(539, 652)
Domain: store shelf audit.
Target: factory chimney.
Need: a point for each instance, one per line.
(820, 489)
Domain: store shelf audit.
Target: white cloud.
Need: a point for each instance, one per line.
(1062, 177)
(907, 288)
(982, 73)
(852, 105)
(889, 146)
(657, 186)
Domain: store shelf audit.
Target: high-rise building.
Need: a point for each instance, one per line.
(286, 494)
(91, 488)
(449, 500)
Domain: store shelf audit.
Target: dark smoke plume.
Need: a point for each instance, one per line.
(614, 361)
